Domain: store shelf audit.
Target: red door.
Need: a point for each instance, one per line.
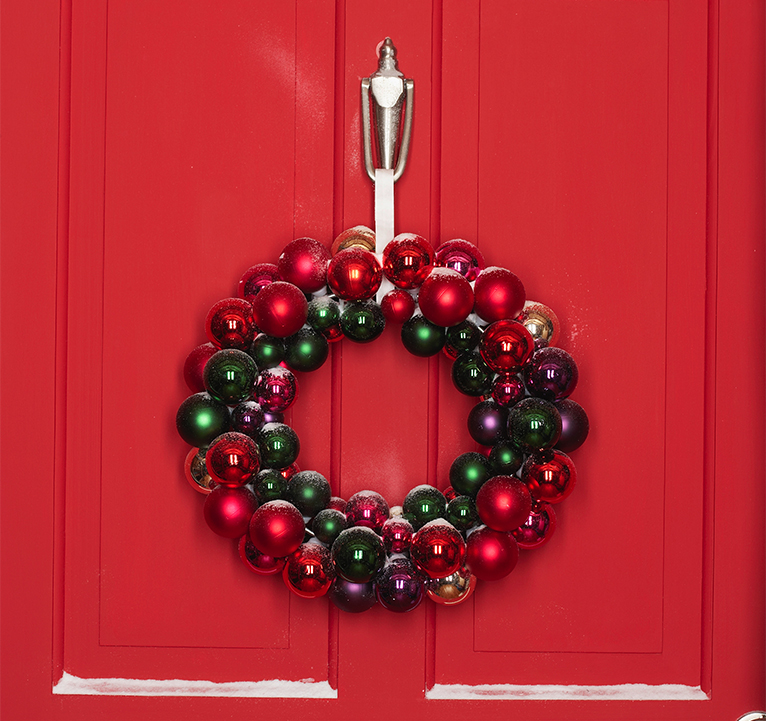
(609, 153)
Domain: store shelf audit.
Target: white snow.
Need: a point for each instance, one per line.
(620, 692)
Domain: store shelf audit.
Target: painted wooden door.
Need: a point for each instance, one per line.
(610, 153)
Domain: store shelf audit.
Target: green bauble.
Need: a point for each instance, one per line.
(421, 337)
(267, 351)
(423, 504)
(309, 492)
(534, 424)
(323, 313)
(306, 350)
(363, 321)
(269, 485)
(358, 554)
(462, 513)
(229, 376)
(505, 458)
(471, 375)
(201, 418)
(462, 338)
(468, 473)
(328, 524)
(278, 444)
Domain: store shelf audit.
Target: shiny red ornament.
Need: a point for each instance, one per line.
(407, 260)
(354, 274)
(280, 309)
(230, 324)
(446, 297)
(309, 571)
(462, 256)
(507, 389)
(450, 493)
(549, 475)
(228, 510)
(438, 549)
(337, 503)
(397, 305)
(397, 535)
(491, 555)
(506, 346)
(255, 279)
(276, 389)
(538, 528)
(257, 562)
(499, 294)
(277, 528)
(304, 263)
(232, 459)
(503, 503)
(367, 508)
(194, 365)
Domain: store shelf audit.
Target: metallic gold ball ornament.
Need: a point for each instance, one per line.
(541, 322)
(360, 236)
(196, 473)
(452, 590)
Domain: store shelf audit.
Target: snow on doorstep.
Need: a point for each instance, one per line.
(621, 692)
(275, 688)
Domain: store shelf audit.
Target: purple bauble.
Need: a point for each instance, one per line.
(352, 597)
(574, 425)
(247, 418)
(551, 374)
(399, 586)
(488, 423)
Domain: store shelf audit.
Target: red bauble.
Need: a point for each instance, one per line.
(538, 528)
(228, 510)
(499, 294)
(309, 572)
(276, 389)
(397, 535)
(407, 260)
(438, 549)
(462, 256)
(506, 346)
(337, 503)
(549, 475)
(280, 309)
(503, 503)
(256, 561)
(232, 459)
(446, 297)
(255, 279)
(277, 528)
(230, 324)
(397, 305)
(304, 263)
(194, 365)
(367, 508)
(507, 389)
(354, 274)
(491, 555)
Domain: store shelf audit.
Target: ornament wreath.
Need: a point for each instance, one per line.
(361, 552)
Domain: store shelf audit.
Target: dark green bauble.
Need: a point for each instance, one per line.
(201, 418)
(328, 524)
(278, 444)
(358, 554)
(505, 458)
(462, 338)
(323, 313)
(421, 337)
(267, 351)
(423, 504)
(534, 424)
(306, 350)
(363, 321)
(468, 473)
(229, 376)
(462, 513)
(309, 492)
(471, 375)
(269, 485)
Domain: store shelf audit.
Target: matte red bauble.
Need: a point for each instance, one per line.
(367, 508)
(462, 256)
(258, 562)
(549, 475)
(232, 459)
(280, 309)
(507, 389)
(397, 535)
(438, 549)
(304, 263)
(491, 555)
(255, 279)
(503, 503)
(275, 389)
(309, 572)
(538, 528)
(499, 294)
(446, 297)
(228, 510)
(194, 365)
(354, 274)
(230, 324)
(407, 260)
(277, 528)
(506, 346)
(397, 305)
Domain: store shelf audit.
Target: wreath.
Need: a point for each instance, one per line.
(362, 551)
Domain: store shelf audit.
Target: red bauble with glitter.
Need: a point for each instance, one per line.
(506, 346)
(337, 503)
(230, 324)
(407, 260)
(255, 279)
(491, 555)
(277, 528)
(397, 305)
(462, 256)
(446, 297)
(499, 294)
(228, 510)
(538, 528)
(194, 365)
(280, 309)
(304, 264)
(275, 389)
(503, 503)
(507, 389)
(549, 475)
(354, 274)
(367, 508)
(438, 549)
(257, 562)
(309, 571)
(397, 535)
(232, 459)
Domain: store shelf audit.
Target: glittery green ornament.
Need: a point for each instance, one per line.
(534, 424)
(269, 485)
(471, 375)
(505, 458)
(229, 376)
(309, 492)
(461, 513)
(267, 351)
(328, 524)
(363, 321)
(423, 504)
(358, 554)
(462, 338)
(306, 350)
(279, 445)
